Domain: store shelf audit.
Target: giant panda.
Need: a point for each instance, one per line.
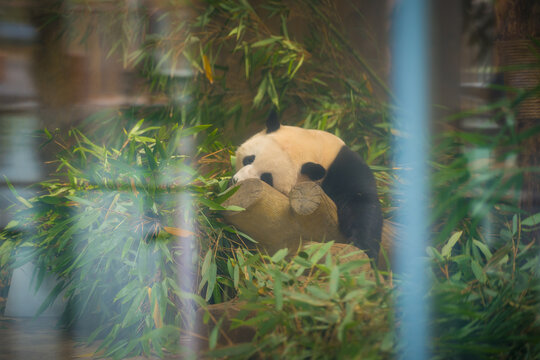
(282, 156)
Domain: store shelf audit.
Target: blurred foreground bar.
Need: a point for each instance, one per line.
(410, 67)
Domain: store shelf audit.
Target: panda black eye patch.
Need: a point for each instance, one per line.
(248, 160)
(267, 178)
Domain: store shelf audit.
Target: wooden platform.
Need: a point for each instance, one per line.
(29, 339)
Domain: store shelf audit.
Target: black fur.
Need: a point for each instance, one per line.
(248, 160)
(350, 183)
(272, 123)
(313, 171)
(267, 178)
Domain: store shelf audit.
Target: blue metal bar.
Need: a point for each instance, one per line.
(410, 69)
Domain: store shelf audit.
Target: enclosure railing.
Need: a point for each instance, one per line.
(411, 148)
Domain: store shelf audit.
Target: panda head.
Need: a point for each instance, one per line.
(263, 157)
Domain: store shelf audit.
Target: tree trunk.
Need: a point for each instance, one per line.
(518, 22)
(276, 221)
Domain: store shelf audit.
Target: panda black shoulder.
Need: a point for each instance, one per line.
(348, 173)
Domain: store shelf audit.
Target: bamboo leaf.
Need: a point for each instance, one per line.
(236, 276)
(207, 69)
(193, 130)
(213, 205)
(82, 201)
(300, 62)
(433, 253)
(278, 290)
(303, 298)
(318, 292)
(447, 248)
(212, 273)
(151, 159)
(16, 194)
(178, 231)
(279, 255)
(483, 247)
(531, 220)
(247, 60)
(135, 128)
(267, 41)
(272, 91)
(154, 296)
(260, 92)
(321, 251)
(161, 150)
(334, 280)
(212, 339)
(478, 271)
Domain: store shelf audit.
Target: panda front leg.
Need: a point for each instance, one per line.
(360, 220)
(350, 183)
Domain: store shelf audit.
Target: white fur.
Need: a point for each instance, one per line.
(283, 152)
(269, 157)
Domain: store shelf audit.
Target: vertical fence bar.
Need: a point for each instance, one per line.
(410, 69)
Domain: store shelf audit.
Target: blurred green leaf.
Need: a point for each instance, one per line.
(447, 248)
(279, 255)
(478, 271)
(531, 220)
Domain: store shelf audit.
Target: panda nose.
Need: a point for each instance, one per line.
(232, 181)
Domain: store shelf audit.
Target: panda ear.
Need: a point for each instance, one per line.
(272, 123)
(313, 171)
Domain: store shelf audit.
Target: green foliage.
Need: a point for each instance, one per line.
(311, 73)
(311, 305)
(114, 224)
(484, 262)
(476, 178)
(485, 299)
(113, 233)
(246, 57)
(134, 207)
